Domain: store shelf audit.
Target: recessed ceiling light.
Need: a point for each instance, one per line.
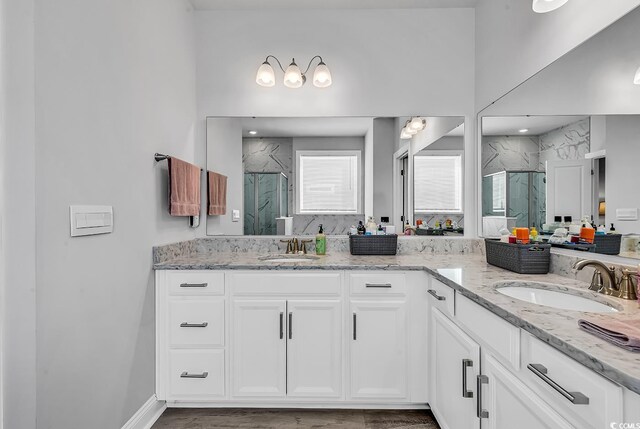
(524, 130)
(253, 133)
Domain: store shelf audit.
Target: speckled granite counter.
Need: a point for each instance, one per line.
(471, 276)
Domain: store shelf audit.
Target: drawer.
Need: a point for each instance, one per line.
(276, 283)
(196, 323)
(377, 283)
(558, 375)
(500, 335)
(196, 374)
(441, 296)
(195, 282)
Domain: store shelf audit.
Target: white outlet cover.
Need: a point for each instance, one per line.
(90, 220)
(627, 214)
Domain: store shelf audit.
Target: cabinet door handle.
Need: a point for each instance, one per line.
(436, 296)
(354, 326)
(573, 397)
(281, 325)
(187, 375)
(387, 285)
(290, 325)
(194, 284)
(466, 363)
(194, 325)
(482, 379)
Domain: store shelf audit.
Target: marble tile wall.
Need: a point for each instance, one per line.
(500, 153)
(332, 224)
(431, 218)
(569, 142)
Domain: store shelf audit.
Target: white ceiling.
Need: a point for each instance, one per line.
(306, 127)
(328, 4)
(536, 125)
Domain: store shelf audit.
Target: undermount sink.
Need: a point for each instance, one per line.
(289, 258)
(556, 296)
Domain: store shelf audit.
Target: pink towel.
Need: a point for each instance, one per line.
(622, 333)
(184, 188)
(217, 194)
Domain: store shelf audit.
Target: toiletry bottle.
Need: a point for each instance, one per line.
(372, 227)
(612, 230)
(534, 233)
(361, 228)
(353, 230)
(321, 242)
(380, 230)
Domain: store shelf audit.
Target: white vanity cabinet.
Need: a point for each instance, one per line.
(284, 337)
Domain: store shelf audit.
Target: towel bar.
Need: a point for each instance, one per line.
(162, 157)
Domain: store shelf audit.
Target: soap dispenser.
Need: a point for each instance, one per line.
(321, 242)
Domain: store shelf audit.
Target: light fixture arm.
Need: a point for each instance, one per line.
(277, 60)
(309, 66)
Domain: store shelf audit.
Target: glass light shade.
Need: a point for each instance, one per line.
(407, 129)
(265, 75)
(544, 6)
(636, 79)
(416, 124)
(322, 76)
(404, 135)
(293, 76)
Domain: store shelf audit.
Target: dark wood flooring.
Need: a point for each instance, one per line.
(233, 418)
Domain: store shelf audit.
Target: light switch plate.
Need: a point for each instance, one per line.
(627, 214)
(235, 215)
(90, 220)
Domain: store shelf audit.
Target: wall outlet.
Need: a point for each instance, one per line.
(627, 214)
(235, 215)
(90, 220)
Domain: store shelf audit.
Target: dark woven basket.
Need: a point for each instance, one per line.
(432, 231)
(373, 244)
(519, 258)
(608, 244)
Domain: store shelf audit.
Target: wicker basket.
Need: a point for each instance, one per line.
(519, 258)
(373, 244)
(608, 244)
(431, 231)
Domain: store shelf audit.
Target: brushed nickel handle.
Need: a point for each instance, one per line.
(187, 375)
(466, 363)
(380, 285)
(576, 398)
(281, 325)
(290, 325)
(194, 285)
(436, 296)
(194, 325)
(482, 379)
(354, 326)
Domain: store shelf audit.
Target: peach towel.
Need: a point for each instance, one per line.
(184, 188)
(217, 194)
(622, 333)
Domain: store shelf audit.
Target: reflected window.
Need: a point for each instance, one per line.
(438, 183)
(328, 182)
(499, 192)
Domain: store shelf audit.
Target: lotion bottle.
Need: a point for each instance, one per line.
(321, 242)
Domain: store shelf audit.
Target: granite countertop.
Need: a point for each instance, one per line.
(471, 276)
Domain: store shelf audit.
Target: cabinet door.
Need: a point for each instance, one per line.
(509, 403)
(378, 350)
(258, 358)
(453, 370)
(314, 349)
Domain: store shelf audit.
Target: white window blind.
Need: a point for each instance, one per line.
(328, 181)
(438, 183)
(499, 192)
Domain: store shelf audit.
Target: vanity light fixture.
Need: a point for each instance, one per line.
(636, 79)
(293, 76)
(524, 130)
(412, 126)
(544, 6)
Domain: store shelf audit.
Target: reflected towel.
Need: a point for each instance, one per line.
(622, 333)
(217, 194)
(184, 188)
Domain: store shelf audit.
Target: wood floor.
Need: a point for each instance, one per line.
(205, 418)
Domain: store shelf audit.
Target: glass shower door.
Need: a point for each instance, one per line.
(268, 209)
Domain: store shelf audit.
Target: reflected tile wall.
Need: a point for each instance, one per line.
(572, 141)
(430, 219)
(500, 153)
(332, 224)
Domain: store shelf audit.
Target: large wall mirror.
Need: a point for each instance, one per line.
(286, 176)
(565, 144)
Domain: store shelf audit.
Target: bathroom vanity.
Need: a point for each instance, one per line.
(409, 331)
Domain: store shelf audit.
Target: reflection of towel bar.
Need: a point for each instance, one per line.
(162, 157)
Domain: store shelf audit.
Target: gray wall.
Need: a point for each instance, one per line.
(383, 149)
(115, 82)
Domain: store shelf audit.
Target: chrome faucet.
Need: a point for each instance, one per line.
(596, 281)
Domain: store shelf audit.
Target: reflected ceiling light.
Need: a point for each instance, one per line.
(544, 6)
(524, 130)
(636, 79)
(412, 126)
(293, 76)
(253, 133)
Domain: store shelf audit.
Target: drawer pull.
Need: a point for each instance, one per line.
(281, 325)
(290, 325)
(466, 363)
(573, 397)
(354, 326)
(379, 285)
(187, 375)
(194, 325)
(482, 413)
(436, 296)
(194, 284)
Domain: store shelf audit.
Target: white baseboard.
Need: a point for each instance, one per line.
(147, 415)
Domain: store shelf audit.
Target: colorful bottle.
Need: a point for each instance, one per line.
(321, 242)
(534, 233)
